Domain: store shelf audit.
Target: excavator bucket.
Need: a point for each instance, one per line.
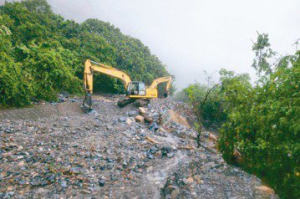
(87, 103)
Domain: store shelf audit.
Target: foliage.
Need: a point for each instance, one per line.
(43, 54)
(14, 87)
(51, 71)
(263, 126)
(202, 104)
(262, 53)
(212, 110)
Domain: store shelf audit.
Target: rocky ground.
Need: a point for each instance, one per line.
(56, 151)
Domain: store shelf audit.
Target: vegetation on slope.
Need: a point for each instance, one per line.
(43, 54)
(260, 124)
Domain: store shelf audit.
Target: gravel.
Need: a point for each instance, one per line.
(59, 152)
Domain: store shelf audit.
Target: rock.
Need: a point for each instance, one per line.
(128, 121)
(101, 182)
(153, 150)
(175, 193)
(213, 137)
(69, 154)
(110, 166)
(122, 119)
(150, 156)
(142, 110)
(198, 179)
(113, 177)
(153, 126)
(170, 155)
(148, 119)
(133, 113)
(189, 180)
(265, 189)
(140, 119)
(124, 164)
(63, 184)
(75, 170)
(62, 99)
(65, 94)
(165, 151)
(94, 113)
(20, 164)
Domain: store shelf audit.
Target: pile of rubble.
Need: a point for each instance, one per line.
(134, 152)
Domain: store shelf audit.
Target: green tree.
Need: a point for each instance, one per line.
(15, 89)
(263, 53)
(49, 52)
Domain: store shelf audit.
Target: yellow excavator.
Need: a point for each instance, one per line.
(135, 90)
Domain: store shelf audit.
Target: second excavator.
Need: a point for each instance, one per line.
(135, 90)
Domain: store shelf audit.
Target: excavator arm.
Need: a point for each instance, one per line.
(157, 81)
(89, 68)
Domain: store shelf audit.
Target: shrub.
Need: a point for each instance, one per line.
(263, 125)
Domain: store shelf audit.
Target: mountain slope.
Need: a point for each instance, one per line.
(43, 54)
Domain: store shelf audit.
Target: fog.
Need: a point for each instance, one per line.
(190, 36)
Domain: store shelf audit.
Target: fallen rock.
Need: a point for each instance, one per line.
(265, 189)
(140, 119)
(128, 121)
(175, 193)
(198, 179)
(133, 113)
(20, 164)
(142, 110)
(213, 137)
(189, 180)
(122, 119)
(165, 151)
(148, 119)
(101, 182)
(153, 127)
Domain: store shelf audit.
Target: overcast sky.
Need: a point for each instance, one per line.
(190, 36)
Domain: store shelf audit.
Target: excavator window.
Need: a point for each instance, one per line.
(136, 88)
(142, 88)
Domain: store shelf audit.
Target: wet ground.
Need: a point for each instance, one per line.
(56, 151)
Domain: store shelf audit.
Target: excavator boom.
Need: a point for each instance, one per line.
(89, 68)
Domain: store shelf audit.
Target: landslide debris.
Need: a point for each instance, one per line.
(109, 153)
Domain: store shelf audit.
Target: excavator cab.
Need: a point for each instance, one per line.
(136, 89)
